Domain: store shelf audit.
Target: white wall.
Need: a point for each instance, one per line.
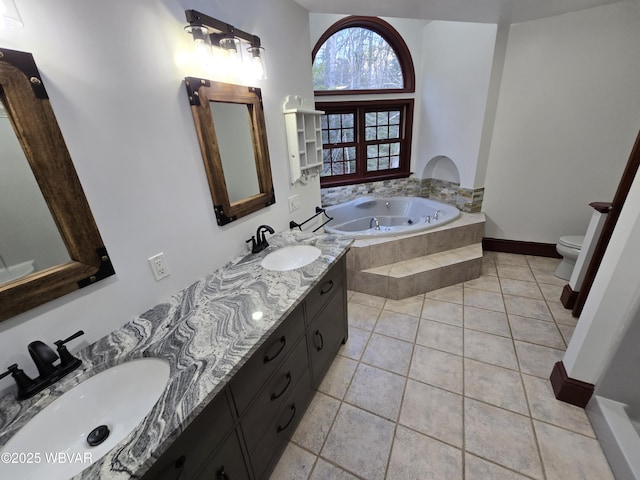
(456, 59)
(568, 113)
(114, 74)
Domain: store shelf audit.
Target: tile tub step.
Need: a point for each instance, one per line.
(421, 274)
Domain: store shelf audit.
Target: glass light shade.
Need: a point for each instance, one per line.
(258, 66)
(201, 41)
(232, 54)
(9, 15)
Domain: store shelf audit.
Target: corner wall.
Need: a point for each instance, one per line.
(567, 117)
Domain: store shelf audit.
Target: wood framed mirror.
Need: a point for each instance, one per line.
(27, 116)
(229, 121)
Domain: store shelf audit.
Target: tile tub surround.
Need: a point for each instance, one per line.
(465, 199)
(206, 332)
(466, 394)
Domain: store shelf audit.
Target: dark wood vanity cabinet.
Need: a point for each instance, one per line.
(241, 434)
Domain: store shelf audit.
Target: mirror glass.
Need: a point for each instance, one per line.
(231, 131)
(232, 122)
(29, 237)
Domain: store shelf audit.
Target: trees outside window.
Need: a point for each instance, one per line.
(364, 140)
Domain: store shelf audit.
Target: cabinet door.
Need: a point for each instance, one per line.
(227, 463)
(325, 335)
(193, 447)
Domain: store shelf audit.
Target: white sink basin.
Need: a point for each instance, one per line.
(288, 258)
(120, 398)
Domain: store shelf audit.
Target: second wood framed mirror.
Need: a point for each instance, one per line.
(229, 122)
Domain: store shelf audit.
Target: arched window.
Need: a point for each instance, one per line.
(364, 140)
(362, 55)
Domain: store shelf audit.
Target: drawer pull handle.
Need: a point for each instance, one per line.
(283, 341)
(222, 475)
(278, 395)
(326, 290)
(293, 414)
(318, 334)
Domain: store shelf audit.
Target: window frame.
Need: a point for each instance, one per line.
(405, 105)
(393, 38)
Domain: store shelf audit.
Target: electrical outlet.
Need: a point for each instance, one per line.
(294, 203)
(159, 266)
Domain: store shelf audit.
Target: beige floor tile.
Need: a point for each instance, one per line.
(550, 292)
(527, 307)
(363, 316)
(432, 411)
(354, 347)
(495, 385)
(350, 294)
(567, 332)
(408, 306)
(483, 299)
(544, 276)
(478, 469)
(369, 300)
(484, 282)
(487, 321)
(501, 436)
(316, 422)
(440, 336)
(536, 331)
(489, 268)
(295, 464)
(488, 348)
(562, 315)
(359, 442)
(397, 325)
(515, 272)
(388, 353)
(326, 471)
(376, 391)
(545, 407)
(570, 455)
(521, 288)
(338, 377)
(536, 359)
(444, 312)
(503, 258)
(415, 456)
(440, 369)
(548, 264)
(451, 294)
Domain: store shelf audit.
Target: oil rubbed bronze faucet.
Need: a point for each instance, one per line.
(48, 373)
(261, 243)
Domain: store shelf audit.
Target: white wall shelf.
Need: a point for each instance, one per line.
(304, 137)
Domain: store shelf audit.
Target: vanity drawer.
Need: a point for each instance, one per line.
(281, 429)
(267, 360)
(319, 296)
(193, 447)
(227, 463)
(274, 394)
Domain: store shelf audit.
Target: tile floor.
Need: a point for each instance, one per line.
(452, 384)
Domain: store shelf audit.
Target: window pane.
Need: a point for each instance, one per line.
(372, 151)
(350, 154)
(394, 117)
(325, 138)
(370, 133)
(372, 165)
(395, 162)
(384, 150)
(383, 118)
(395, 148)
(370, 119)
(334, 136)
(347, 120)
(356, 58)
(347, 135)
(323, 122)
(384, 163)
(352, 166)
(383, 133)
(334, 121)
(394, 131)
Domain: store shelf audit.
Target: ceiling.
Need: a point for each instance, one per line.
(480, 11)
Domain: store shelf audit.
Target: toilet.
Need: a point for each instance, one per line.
(569, 247)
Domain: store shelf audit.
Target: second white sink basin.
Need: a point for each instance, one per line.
(288, 258)
(119, 397)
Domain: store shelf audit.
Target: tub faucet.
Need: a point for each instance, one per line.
(374, 223)
(436, 215)
(387, 204)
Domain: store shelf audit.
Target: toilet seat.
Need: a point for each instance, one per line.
(572, 241)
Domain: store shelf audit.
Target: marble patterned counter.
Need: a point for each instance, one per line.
(206, 332)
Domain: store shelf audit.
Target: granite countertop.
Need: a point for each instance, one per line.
(206, 332)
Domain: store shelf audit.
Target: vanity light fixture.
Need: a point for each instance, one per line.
(9, 15)
(222, 43)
